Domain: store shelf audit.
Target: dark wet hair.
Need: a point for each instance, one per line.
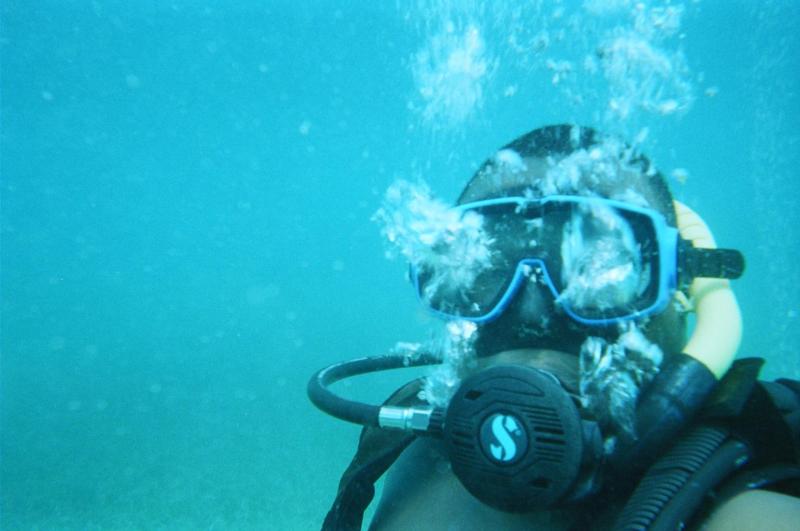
(544, 147)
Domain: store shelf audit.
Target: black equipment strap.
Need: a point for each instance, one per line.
(377, 450)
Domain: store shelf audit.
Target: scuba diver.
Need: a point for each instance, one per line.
(585, 406)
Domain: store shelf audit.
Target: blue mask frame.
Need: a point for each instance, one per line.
(666, 243)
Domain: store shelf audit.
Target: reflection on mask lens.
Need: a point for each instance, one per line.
(602, 269)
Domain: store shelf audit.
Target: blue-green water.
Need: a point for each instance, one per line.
(187, 190)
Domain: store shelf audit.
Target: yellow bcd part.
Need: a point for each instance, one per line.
(718, 330)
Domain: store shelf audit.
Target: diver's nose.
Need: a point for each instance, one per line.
(533, 302)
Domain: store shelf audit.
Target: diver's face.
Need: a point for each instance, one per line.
(596, 261)
(565, 242)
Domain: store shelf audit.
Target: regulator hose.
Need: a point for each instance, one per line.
(350, 410)
(673, 487)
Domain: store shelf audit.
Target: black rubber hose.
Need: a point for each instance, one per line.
(350, 410)
(673, 487)
(681, 387)
(678, 512)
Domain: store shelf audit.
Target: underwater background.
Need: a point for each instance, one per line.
(187, 200)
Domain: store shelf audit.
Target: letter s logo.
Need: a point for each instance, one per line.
(503, 428)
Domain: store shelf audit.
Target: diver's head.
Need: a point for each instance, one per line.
(572, 221)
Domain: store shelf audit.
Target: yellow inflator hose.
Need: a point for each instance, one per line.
(718, 330)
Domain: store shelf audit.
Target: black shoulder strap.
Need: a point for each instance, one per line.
(377, 450)
(765, 414)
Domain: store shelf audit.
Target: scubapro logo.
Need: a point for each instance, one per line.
(503, 438)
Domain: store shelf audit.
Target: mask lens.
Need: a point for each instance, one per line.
(510, 237)
(599, 259)
(609, 260)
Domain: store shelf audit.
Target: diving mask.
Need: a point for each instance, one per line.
(604, 261)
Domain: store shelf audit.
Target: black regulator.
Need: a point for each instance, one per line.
(514, 436)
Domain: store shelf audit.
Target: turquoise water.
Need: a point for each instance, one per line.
(187, 190)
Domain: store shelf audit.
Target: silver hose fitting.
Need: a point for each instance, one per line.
(405, 418)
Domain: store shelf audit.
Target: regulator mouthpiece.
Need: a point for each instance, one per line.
(515, 438)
